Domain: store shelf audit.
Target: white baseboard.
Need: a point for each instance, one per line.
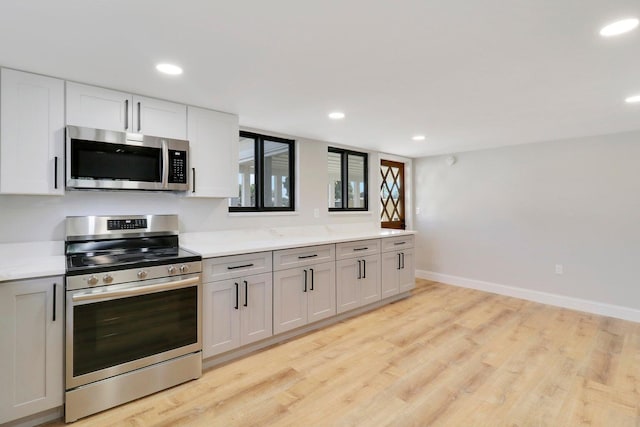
(579, 304)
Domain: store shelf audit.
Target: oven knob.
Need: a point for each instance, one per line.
(107, 278)
(184, 268)
(142, 274)
(92, 280)
(171, 269)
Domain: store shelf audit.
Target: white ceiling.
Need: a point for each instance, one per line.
(468, 74)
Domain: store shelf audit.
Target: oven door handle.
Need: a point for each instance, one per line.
(121, 293)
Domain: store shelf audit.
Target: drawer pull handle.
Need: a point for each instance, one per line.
(55, 288)
(240, 266)
(360, 249)
(308, 256)
(246, 293)
(311, 270)
(305, 280)
(55, 174)
(236, 306)
(399, 243)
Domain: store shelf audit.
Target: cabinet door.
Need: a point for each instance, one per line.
(407, 272)
(390, 273)
(370, 290)
(221, 318)
(256, 321)
(31, 134)
(31, 347)
(289, 300)
(213, 153)
(349, 272)
(95, 107)
(159, 118)
(321, 292)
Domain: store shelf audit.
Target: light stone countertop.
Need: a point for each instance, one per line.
(234, 242)
(31, 260)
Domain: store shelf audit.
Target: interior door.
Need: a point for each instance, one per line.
(392, 196)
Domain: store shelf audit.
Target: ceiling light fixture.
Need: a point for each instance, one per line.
(170, 69)
(418, 137)
(633, 99)
(336, 115)
(619, 27)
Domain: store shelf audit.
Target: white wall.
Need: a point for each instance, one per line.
(36, 218)
(503, 218)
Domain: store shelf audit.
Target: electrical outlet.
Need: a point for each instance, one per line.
(559, 269)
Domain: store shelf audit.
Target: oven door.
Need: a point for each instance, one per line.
(115, 329)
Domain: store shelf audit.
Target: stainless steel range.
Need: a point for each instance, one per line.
(133, 310)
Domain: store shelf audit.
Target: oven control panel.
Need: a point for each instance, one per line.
(127, 224)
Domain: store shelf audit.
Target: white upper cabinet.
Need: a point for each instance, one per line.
(213, 153)
(95, 107)
(99, 108)
(31, 134)
(159, 118)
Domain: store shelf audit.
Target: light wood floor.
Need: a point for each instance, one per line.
(446, 356)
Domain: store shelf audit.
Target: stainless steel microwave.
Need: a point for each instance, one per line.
(103, 159)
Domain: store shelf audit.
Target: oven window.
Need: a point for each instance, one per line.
(113, 332)
(101, 160)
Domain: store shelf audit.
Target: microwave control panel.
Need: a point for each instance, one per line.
(177, 167)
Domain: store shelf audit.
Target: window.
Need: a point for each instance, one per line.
(266, 174)
(347, 185)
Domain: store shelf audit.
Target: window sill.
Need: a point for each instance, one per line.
(250, 214)
(356, 213)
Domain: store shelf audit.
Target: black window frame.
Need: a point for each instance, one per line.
(259, 140)
(344, 175)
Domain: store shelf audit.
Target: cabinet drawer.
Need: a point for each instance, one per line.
(359, 248)
(397, 243)
(299, 257)
(229, 267)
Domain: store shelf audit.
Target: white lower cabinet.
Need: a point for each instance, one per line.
(303, 295)
(407, 280)
(236, 312)
(398, 266)
(358, 282)
(31, 347)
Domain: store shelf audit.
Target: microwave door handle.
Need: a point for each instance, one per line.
(165, 164)
(141, 290)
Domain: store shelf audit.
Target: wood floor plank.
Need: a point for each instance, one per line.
(446, 356)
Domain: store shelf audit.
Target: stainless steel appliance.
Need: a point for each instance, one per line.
(133, 310)
(103, 159)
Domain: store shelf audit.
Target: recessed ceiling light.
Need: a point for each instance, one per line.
(633, 99)
(418, 137)
(619, 27)
(171, 69)
(336, 115)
